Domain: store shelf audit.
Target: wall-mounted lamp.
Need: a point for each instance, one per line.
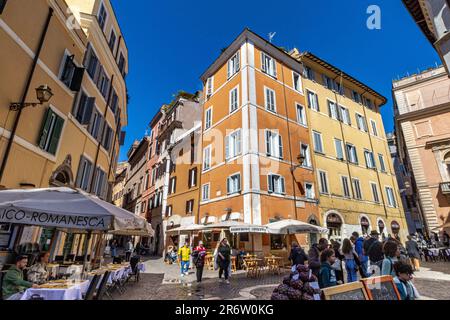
(43, 93)
(301, 160)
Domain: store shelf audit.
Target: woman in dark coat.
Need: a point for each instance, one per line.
(297, 255)
(224, 259)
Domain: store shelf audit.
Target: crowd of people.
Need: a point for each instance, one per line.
(363, 257)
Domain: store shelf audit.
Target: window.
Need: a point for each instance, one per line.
(233, 144)
(168, 211)
(147, 180)
(374, 128)
(357, 189)
(301, 114)
(99, 183)
(318, 145)
(327, 82)
(270, 100)
(297, 81)
(190, 206)
(121, 64)
(209, 87)
(332, 110)
(207, 158)
(276, 184)
(361, 122)
(102, 15)
(368, 103)
(274, 144)
(309, 190)
(308, 73)
(234, 183)
(84, 174)
(268, 65)
(103, 82)
(339, 149)
(345, 187)
(112, 40)
(391, 197)
(313, 101)
(356, 96)
(351, 154)
(172, 185)
(192, 178)
(96, 126)
(205, 192)
(233, 64)
(304, 151)
(51, 132)
(234, 99)
(381, 160)
(323, 179)
(375, 196)
(370, 160)
(71, 75)
(345, 115)
(208, 118)
(91, 62)
(107, 138)
(114, 105)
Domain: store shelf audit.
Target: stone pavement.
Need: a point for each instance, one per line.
(163, 282)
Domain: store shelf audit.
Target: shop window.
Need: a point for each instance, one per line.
(334, 225)
(277, 242)
(365, 225)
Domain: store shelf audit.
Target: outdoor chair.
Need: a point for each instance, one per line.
(103, 288)
(92, 288)
(70, 257)
(59, 259)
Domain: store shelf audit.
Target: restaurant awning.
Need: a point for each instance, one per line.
(290, 226)
(185, 229)
(67, 208)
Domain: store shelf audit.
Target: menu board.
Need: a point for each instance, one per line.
(349, 291)
(381, 288)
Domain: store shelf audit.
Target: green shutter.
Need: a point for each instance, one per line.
(55, 135)
(45, 127)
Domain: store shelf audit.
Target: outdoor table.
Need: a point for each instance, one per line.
(53, 291)
(253, 266)
(273, 263)
(209, 262)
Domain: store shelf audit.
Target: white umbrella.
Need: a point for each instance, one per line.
(290, 226)
(186, 229)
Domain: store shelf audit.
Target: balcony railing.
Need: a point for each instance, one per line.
(445, 188)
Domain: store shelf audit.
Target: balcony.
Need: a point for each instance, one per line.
(444, 187)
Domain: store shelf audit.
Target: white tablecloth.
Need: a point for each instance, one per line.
(141, 266)
(75, 292)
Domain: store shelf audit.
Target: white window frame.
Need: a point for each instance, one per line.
(230, 192)
(321, 186)
(315, 133)
(361, 122)
(307, 163)
(301, 114)
(273, 147)
(341, 145)
(208, 124)
(350, 155)
(345, 115)
(234, 66)
(299, 88)
(382, 162)
(281, 184)
(346, 187)
(375, 194)
(207, 156)
(233, 142)
(102, 5)
(230, 99)
(313, 105)
(271, 69)
(392, 201)
(266, 103)
(369, 158)
(313, 194)
(356, 189)
(332, 115)
(209, 87)
(373, 123)
(206, 197)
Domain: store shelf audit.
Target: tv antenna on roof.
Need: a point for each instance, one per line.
(271, 35)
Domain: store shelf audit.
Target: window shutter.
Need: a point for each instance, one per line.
(268, 149)
(77, 78)
(45, 127)
(283, 190)
(348, 117)
(238, 143)
(330, 114)
(228, 185)
(56, 134)
(87, 114)
(263, 62)
(187, 206)
(195, 176)
(174, 187)
(101, 123)
(280, 146)
(227, 147)
(270, 181)
(238, 60)
(274, 67)
(316, 97)
(80, 172)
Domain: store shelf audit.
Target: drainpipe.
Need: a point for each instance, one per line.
(25, 91)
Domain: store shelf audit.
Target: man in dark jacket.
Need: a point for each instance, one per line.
(13, 283)
(412, 248)
(314, 255)
(374, 250)
(297, 255)
(359, 242)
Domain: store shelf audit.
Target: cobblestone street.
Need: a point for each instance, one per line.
(162, 282)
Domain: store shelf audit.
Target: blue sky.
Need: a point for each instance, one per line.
(172, 42)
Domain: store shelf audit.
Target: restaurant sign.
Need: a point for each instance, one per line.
(252, 229)
(70, 221)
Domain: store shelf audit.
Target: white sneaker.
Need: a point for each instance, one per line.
(227, 281)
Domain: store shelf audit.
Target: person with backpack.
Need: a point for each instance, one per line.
(391, 253)
(374, 250)
(337, 266)
(199, 259)
(413, 251)
(297, 255)
(364, 260)
(350, 262)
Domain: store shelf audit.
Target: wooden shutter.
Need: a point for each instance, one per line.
(87, 114)
(187, 207)
(195, 176)
(270, 183)
(45, 127)
(77, 78)
(228, 185)
(263, 62)
(316, 97)
(283, 188)
(268, 146)
(238, 143)
(55, 134)
(280, 146)
(227, 147)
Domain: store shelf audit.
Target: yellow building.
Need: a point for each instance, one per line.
(76, 48)
(357, 186)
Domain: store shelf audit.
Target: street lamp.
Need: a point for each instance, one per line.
(301, 159)
(43, 93)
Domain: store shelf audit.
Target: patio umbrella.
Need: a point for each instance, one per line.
(186, 229)
(290, 226)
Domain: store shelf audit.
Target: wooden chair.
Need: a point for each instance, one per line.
(233, 264)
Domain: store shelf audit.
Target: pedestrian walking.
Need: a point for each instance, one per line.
(412, 248)
(184, 254)
(391, 252)
(223, 259)
(337, 266)
(373, 248)
(350, 263)
(113, 249)
(363, 259)
(199, 260)
(314, 255)
(129, 248)
(297, 254)
(402, 279)
(327, 275)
